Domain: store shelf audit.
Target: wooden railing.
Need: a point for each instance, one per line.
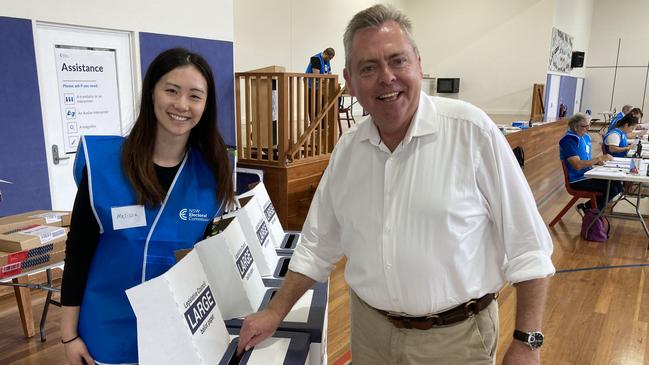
(282, 120)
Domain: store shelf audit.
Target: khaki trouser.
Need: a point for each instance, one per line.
(376, 341)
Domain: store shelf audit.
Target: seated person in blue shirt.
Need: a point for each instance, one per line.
(575, 149)
(616, 142)
(625, 110)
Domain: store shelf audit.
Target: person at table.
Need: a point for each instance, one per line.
(625, 110)
(575, 149)
(637, 112)
(616, 141)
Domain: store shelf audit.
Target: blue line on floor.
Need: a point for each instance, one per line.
(602, 268)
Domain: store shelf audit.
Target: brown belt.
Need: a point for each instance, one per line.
(454, 315)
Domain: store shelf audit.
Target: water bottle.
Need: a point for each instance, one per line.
(638, 150)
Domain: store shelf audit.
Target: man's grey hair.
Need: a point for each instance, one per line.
(576, 119)
(374, 17)
(626, 109)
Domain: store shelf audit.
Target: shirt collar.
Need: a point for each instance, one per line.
(424, 122)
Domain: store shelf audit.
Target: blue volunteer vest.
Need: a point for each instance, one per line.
(583, 151)
(614, 120)
(325, 69)
(127, 257)
(623, 142)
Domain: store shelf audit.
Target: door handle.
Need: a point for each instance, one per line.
(55, 155)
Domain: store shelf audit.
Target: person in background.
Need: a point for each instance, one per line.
(428, 240)
(575, 150)
(125, 221)
(625, 110)
(318, 64)
(637, 112)
(615, 142)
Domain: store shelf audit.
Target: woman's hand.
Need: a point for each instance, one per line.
(77, 353)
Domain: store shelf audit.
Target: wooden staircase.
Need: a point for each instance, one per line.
(288, 130)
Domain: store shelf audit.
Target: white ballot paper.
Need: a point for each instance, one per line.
(231, 270)
(257, 235)
(178, 318)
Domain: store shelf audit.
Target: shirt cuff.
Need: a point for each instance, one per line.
(304, 262)
(529, 266)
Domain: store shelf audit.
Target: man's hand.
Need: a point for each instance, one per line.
(519, 353)
(256, 328)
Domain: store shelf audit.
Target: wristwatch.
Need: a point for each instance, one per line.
(533, 339)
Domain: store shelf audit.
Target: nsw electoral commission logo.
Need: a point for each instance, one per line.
(187, 214)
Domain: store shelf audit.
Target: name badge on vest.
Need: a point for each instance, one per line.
(130, 216)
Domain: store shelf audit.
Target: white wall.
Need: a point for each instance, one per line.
(497, 48)
(211, 19)
(288, 32)
(624, 20)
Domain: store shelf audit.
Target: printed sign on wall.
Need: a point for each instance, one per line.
(560, 51)
(88, 94)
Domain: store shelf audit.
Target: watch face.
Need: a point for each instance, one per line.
(535, 340)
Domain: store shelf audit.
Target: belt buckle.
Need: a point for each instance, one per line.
(469, 307)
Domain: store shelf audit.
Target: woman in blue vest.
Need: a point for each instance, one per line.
(615, 142)
(140, 199)
(575, 150)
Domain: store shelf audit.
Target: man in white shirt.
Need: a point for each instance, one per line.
(430, 207)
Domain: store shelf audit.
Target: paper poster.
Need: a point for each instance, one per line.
(560, 51)
(88, 94)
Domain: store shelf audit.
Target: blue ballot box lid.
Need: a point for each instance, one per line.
(314, 324)
(297, 352)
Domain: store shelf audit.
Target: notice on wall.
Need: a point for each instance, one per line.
(88, 93)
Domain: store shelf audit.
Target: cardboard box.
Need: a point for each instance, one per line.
(31, 264)
(26, 238)
(41, 217)
(51, 217)
(14, 257)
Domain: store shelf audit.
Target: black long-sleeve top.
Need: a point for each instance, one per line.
(83, 238)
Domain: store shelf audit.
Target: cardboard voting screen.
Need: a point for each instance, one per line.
(268, 210)
(178, 318)
(231, 270)
(257, 234)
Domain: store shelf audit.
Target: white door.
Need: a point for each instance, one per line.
(580, 85)
(553, 97)
(86, 83)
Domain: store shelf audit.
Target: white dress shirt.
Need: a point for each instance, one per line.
(447, 217)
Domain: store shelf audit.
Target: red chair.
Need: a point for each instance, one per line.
(576, 194)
